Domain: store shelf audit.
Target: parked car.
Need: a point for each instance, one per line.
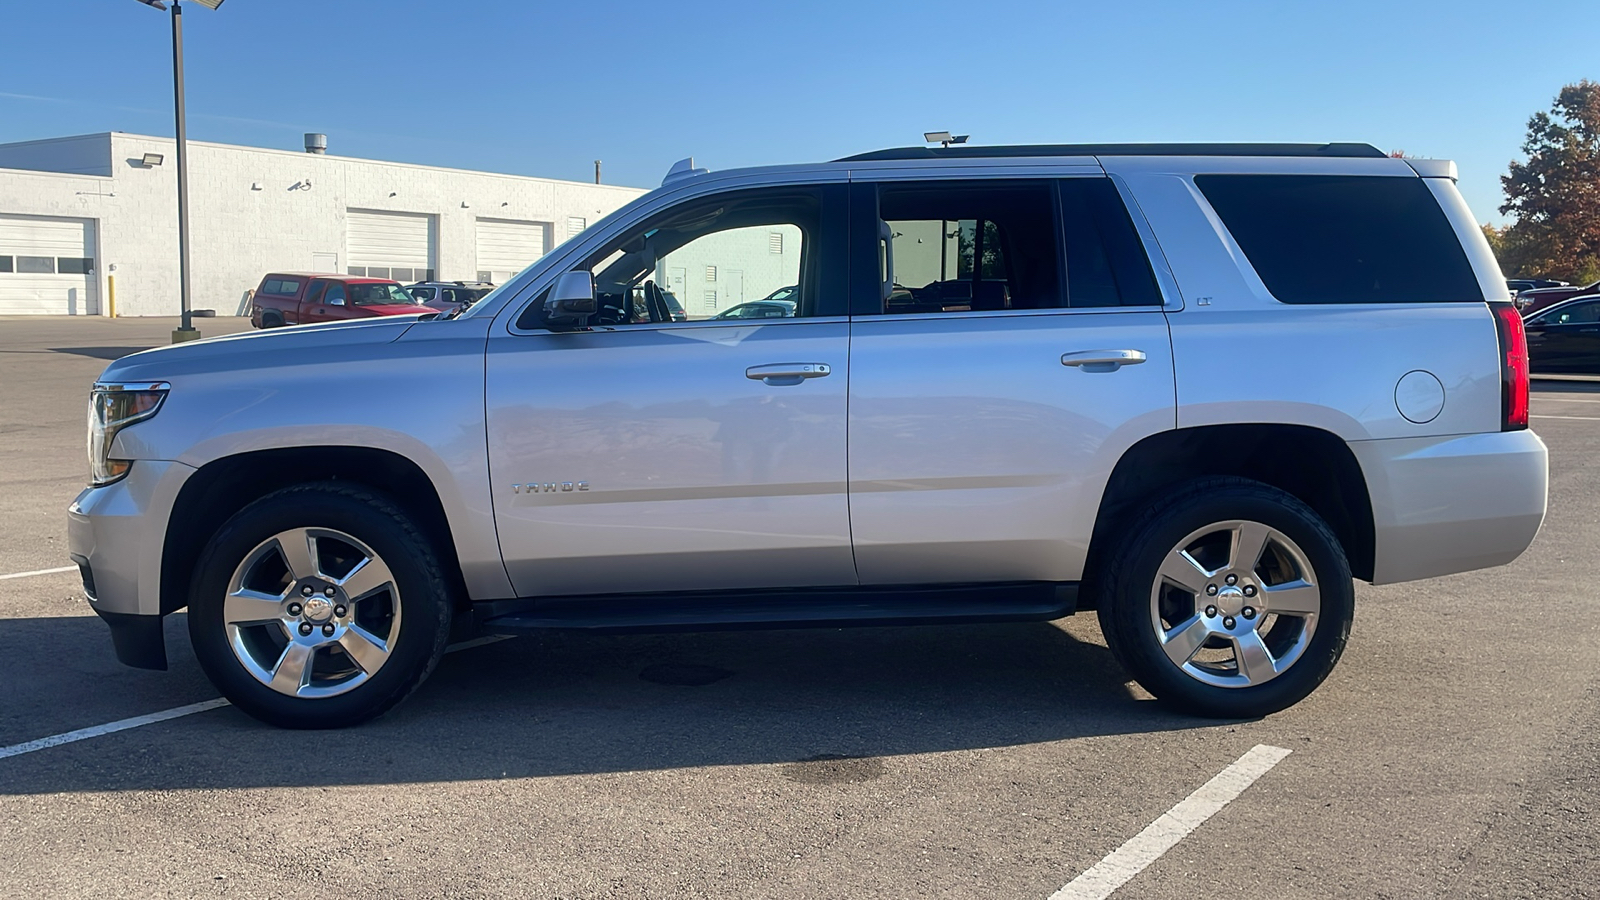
(1536, 299)
(1566, 337)
(449, 296)
(759, 309)
(1529, 284)
(302, 298)
(1219, 383)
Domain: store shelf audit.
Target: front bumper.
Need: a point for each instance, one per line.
(116, 535)
(1443, 505)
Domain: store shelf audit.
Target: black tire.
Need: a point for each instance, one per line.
(423, 623)
(1128, 611)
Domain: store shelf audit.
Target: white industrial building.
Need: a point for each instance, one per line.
(91, 220)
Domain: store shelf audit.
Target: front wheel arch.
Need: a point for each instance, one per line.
(226, 485)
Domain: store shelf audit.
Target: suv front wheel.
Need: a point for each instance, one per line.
(318, 606)
(1233, 599)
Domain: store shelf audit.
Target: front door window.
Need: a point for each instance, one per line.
(697, 261)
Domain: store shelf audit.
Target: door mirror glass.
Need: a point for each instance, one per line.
(571, 301)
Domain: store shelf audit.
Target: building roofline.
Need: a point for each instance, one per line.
(57, 140)
(51, 173)
(362, 159)
(965, 151)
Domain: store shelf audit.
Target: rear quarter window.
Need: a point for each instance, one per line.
(1344, 238)
(280, 287)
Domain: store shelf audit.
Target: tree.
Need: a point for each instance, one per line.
(1555, 194)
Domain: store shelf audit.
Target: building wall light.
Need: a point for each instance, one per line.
(151, 160)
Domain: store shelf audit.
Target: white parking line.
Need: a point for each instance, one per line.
(1573, 418)
(177, 712)
(1174, 825)
(39, 572)
(83, 734)
(1564, 400)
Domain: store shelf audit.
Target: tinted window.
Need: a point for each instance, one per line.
(1344, 238)
(36, 265)
(1576, 314)
(1106, 262)
(958, 247)
(334, 295)
(5, 264)
(74, 265)
(282, 287)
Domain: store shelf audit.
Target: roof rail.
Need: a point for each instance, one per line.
(967, 151)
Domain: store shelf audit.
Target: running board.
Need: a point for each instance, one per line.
(803, 608)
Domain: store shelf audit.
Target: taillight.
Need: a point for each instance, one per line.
(1513, 366)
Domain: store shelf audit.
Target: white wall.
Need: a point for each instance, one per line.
(240, 233)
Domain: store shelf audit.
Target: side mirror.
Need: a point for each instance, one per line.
(336, 301)
(570, 302)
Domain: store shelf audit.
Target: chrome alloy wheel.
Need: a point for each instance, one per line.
(312, 612)
(1235, 604)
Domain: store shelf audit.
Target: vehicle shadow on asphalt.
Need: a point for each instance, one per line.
(567, 704)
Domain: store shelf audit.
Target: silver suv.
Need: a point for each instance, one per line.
(1197, 389)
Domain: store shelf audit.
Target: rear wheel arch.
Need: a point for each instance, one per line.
(226, 485)
(1309, 463)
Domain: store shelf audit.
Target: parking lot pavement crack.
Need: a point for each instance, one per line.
(1547, 845)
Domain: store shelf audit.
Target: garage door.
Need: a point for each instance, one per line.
(402, 246)
(47, 266)
(506, 247)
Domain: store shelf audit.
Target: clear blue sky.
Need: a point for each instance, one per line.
(545, 88)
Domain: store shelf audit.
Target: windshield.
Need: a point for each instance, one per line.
(373, 294)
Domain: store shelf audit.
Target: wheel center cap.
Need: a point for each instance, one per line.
(317, 609)
(1230, 601)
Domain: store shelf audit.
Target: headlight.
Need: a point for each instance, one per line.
(113, 407)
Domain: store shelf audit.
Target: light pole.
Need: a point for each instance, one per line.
(185, 331)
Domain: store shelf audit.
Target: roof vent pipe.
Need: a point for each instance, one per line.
(316, 143)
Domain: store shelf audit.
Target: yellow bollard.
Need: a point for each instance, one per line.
(111, 294)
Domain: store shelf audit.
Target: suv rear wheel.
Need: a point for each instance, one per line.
(318, 606)
(1233, 599)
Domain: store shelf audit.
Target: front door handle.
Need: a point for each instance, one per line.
(1103, 360)
(787, 373)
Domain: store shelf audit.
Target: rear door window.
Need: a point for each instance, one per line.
(1344, 238)
(965, 247)
(1106, 262)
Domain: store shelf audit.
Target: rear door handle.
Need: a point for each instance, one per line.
(1103, 360)
(787, 373)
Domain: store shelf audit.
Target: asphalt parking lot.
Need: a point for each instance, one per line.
(1455, 752)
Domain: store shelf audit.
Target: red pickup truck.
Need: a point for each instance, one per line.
(301, 298)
